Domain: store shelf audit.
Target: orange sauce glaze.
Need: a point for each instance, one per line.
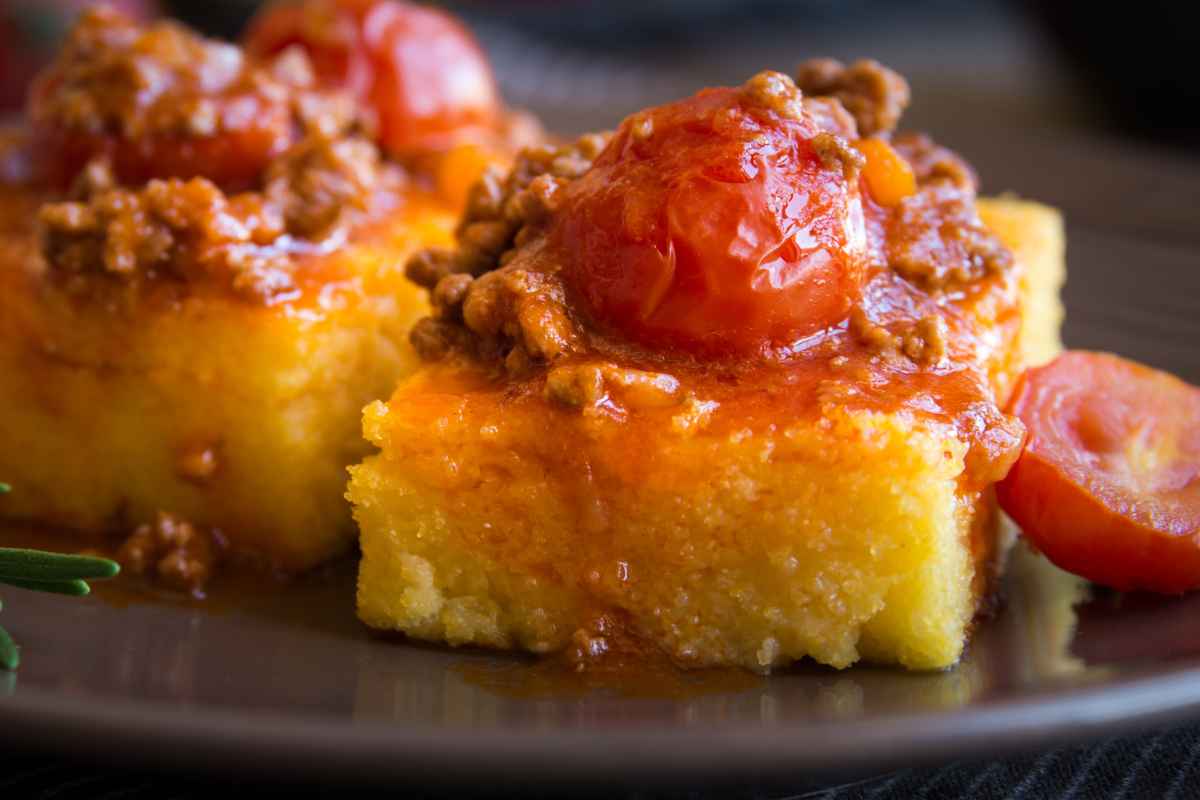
(323, 281)
(963, 390)
(643, 672)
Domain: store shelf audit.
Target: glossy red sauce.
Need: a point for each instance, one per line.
(713, 226)
(835, 367)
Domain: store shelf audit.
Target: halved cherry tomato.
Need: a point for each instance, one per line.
(420, 72)
(714, 227)
(1109, 484)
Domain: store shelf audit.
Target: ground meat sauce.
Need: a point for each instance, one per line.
(495, 297)
(932, 163)
(159, 101)
(184, 160)
(873, 94)
(931, 332)
(173, 552)
(936, 240)
(484, 305)
(191, 230)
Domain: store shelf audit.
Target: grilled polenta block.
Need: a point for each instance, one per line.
(1034, 232)
(494, 518)
(203, 283)
(724, 386)
(839, 538)
(237, 415)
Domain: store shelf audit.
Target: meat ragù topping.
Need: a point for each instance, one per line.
(505, 295)
(192, 230)
(480, 301)
(936, 239)
(158, 101)
(873, 94)
(173, 552)
(188, 159)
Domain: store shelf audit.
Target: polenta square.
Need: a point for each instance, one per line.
(726, 385)
(202, 282)
(494, 516)
(202, 251)
(235, 414)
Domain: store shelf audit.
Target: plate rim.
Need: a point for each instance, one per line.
(271, 744)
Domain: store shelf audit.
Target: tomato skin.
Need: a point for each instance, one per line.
(328, 32)
(156, 100)
(419, 71)
(232, 159)
(1109, 484)
(721, 231)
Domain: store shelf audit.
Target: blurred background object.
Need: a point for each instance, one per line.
(30, 31)
(583, 63)
(1137, 64)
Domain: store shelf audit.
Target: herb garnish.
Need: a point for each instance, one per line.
(44, 571)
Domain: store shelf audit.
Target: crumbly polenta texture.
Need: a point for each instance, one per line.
(231, 414)
(1034, 232)
(496, 520)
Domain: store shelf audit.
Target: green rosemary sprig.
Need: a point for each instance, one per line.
(43, 571)
(46, 567)
(10, 654)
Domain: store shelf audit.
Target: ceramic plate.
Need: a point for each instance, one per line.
(292, 685)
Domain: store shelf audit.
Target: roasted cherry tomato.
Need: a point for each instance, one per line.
(714, 225)
(417, 69)
(1109, 484)
(159, 101)
(232, 158)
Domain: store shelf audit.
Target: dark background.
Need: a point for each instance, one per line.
(1130, 70)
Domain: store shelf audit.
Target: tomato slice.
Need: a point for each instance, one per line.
(1109, 484)
(713, 225)
(418, 70)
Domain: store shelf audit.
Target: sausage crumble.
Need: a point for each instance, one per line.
(873, 94)
(481, 301)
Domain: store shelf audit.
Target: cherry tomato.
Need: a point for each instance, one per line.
(419, 71)
(1109, 484)
(159, 101)
(713, 226)
(232, 158)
